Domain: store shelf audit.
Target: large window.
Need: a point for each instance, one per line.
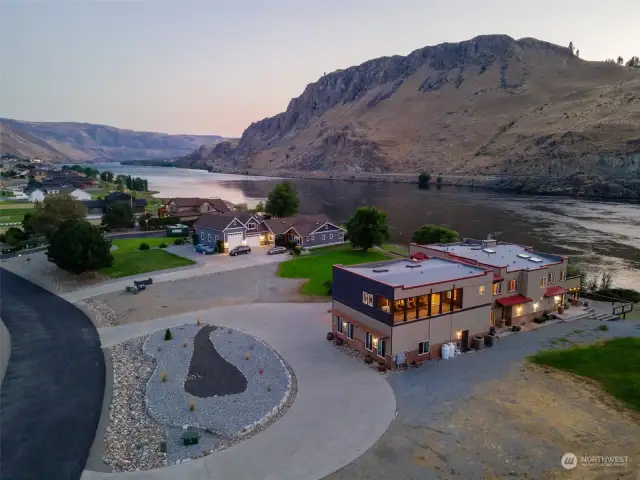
(367, 299)
(457, 299)
(436, 305)
(543, 282)
(551, 277)
(423, 347)
(399, 311)
(497, 288)
(383, 304)
(513, 285)
(382, 348)
(423, 306)
(368, 341)
(350, 329)
(339, 324)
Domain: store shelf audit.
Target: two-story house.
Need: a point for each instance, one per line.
(403, 311)
(525, 283)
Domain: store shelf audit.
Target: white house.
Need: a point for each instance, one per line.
(76, 193)
(36, 194)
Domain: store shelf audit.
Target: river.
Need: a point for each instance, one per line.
(597, 235)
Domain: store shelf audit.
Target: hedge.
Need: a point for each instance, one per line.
(158, 223)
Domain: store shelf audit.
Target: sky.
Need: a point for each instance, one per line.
(213, 66)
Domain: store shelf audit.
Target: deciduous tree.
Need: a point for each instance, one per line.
(571, 48)
(77, 247)
(368, 227)
(434, 234)
(283, 201)
(47, 215)
(118, 215)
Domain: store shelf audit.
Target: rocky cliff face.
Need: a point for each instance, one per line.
(63, 141)
(490, 105)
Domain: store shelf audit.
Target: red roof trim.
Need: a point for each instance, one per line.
(513, 300)
(553, 291)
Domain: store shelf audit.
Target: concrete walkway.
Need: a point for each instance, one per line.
(53, 387)
(341, 410)
(214, 264)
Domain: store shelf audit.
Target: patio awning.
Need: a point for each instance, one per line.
(553, 291)
(497, 278)
(513, 300)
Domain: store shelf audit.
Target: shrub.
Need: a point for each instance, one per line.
(163, 245)
(178, 241)
(368, 360)
(163, 447)
(339, 341)
(198, 321)
(247, 356)
(269, 388)
(192, 406)
(219, 246)
(163, 376)
(144, 246)
(167, 335)
(603, 328)
(329, 286)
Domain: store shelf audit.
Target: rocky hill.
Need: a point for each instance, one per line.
(80, 142)
(490, 105)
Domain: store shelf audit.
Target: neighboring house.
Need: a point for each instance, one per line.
(98, 207)
(35, 193)
(525, 283)
(403, 311)
(76, 193)
(233, 229)
(308, 231)
(193, 208)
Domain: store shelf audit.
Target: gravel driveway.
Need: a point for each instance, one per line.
(232, 287)
(489, 415)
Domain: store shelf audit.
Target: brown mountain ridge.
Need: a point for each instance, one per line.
(489, 105)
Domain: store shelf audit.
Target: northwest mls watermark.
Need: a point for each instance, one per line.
(569, 461)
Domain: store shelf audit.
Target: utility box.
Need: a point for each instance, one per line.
(190, 437)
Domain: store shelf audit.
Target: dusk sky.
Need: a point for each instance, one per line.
(213, 67)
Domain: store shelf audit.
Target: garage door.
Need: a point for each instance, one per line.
(234, 239)
(253, 241)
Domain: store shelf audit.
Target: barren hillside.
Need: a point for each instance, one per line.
(60, 141)
(488, 105)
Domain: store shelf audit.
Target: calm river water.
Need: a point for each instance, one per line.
(597, 235)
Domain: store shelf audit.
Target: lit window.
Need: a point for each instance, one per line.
(423, 347)
(552, 277)
(350, 328)
(563, 276)
(382, 350)
(367, 299)
(492, 318)
(481, 290)
(543, 282)
(497, 288)
(339, 324)
(368, 341)
(513, 284)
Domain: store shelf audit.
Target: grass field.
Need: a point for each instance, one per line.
(317, 266)
(614, 364)
(10, 215)
(4, 204)
(128, 260)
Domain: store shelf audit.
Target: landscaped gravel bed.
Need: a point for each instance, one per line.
(269, 382)
(132, 438)
(101, 314)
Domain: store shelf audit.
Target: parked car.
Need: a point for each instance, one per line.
(239, 250)
(276, 250)
(206, 249)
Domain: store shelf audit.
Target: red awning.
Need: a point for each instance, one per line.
(419, 256)
(553, 291)
(513, 300)
(497, 278)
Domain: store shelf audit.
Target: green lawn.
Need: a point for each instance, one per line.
(131, 261)
(395, 248)
(10, 215)
(4, 204)
(614, 364)
(317, 266)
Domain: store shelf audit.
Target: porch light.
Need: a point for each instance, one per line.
(535, 306)
(519, 309)
(459, 334)
(557, 298)
(375, 342)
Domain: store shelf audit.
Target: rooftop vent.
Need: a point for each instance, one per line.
(524, 255)
(535, 260)
(476, 248)
(380, 270)
(417, 265)
(488, 250)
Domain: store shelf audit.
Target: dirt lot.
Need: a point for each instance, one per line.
(248, 285)
(515, 427)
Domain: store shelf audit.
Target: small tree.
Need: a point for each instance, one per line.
(167, 335)
(434, 234)
(259, 208)
(46, 216)
(634, 62)
(77, 247)
(283, 201)
(571, 48)
(118, 215)
(620, 60)
(578, 53)
(13, 236)
(423, 180)
(367, 227)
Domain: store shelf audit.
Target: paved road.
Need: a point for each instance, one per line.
(53, 388)
(341, 409)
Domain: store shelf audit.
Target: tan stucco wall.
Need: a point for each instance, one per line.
(362, 319)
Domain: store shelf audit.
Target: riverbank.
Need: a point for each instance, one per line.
(579, 185)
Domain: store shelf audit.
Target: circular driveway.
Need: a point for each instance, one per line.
(341, 410)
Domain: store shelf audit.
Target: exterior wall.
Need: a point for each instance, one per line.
(358, 341)
(348, 288)
(440, 329)
(207, 232)
(80, 195)
(370, 324)
(332, 236)
(36, 196)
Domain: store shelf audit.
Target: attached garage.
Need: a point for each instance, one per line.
(253, 240)
(234, 239)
